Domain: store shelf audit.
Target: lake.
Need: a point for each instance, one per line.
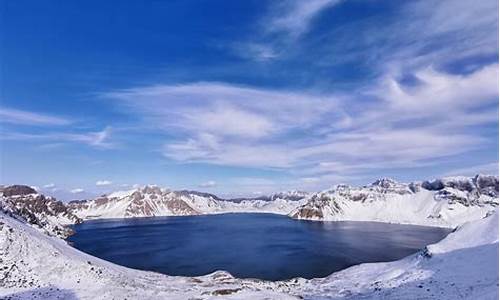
(248, 245)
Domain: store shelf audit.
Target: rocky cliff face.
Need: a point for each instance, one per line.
(43, 212)
(147, 201)
(441, 202)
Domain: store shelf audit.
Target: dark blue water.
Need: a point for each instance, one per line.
(262, 246)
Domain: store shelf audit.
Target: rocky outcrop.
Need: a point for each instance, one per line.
(17, 190)
(43, 212)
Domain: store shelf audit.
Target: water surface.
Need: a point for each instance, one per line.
(265, 246)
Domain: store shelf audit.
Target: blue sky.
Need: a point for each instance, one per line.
(245, 97)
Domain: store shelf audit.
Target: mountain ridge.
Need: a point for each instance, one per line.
(444, 202)
(447, 201)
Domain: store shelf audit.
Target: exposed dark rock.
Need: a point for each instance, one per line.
(201, 194)
(434, 185)
(487, 185)
(15, 190)
(308, 213)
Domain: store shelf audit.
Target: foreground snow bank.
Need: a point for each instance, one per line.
(462, 266)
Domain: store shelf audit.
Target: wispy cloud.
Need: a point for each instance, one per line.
(402, 126)
(77, 191)
(419, 34)
(294, 17)
(98, 139)
(22, 117)
(282, 26)
(220, 109)
(414, 112)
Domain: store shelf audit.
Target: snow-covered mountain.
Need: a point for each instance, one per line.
(150, 201)
(36, 266)
(46, 213)
(444, 202)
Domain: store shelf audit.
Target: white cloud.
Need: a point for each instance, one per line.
(255, 51)
(103, 183)
(230, 121)
(224, 110)
(439, 92)
(49, 186)
(15, 116)
(208, 184)
(77, 191)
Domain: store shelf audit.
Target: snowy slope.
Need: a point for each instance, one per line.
(462, 266)
(445, 202)
(35, 265)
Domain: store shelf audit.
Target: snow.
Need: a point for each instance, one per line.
(462, 266)
(34, 264)
(121, 194)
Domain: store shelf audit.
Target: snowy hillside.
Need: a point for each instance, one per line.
(446, 202)
(154, 201)
(462, 266)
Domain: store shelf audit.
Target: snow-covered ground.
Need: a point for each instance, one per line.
(464, 265)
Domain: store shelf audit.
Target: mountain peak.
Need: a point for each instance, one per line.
(18, 190)
(385, 182)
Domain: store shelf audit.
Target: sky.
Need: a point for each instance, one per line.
(242, 98)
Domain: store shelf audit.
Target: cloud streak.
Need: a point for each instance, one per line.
(103, 183)
(77, 191)
(294, 18)
(97, 139)
(281, 27)
(22, 117)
